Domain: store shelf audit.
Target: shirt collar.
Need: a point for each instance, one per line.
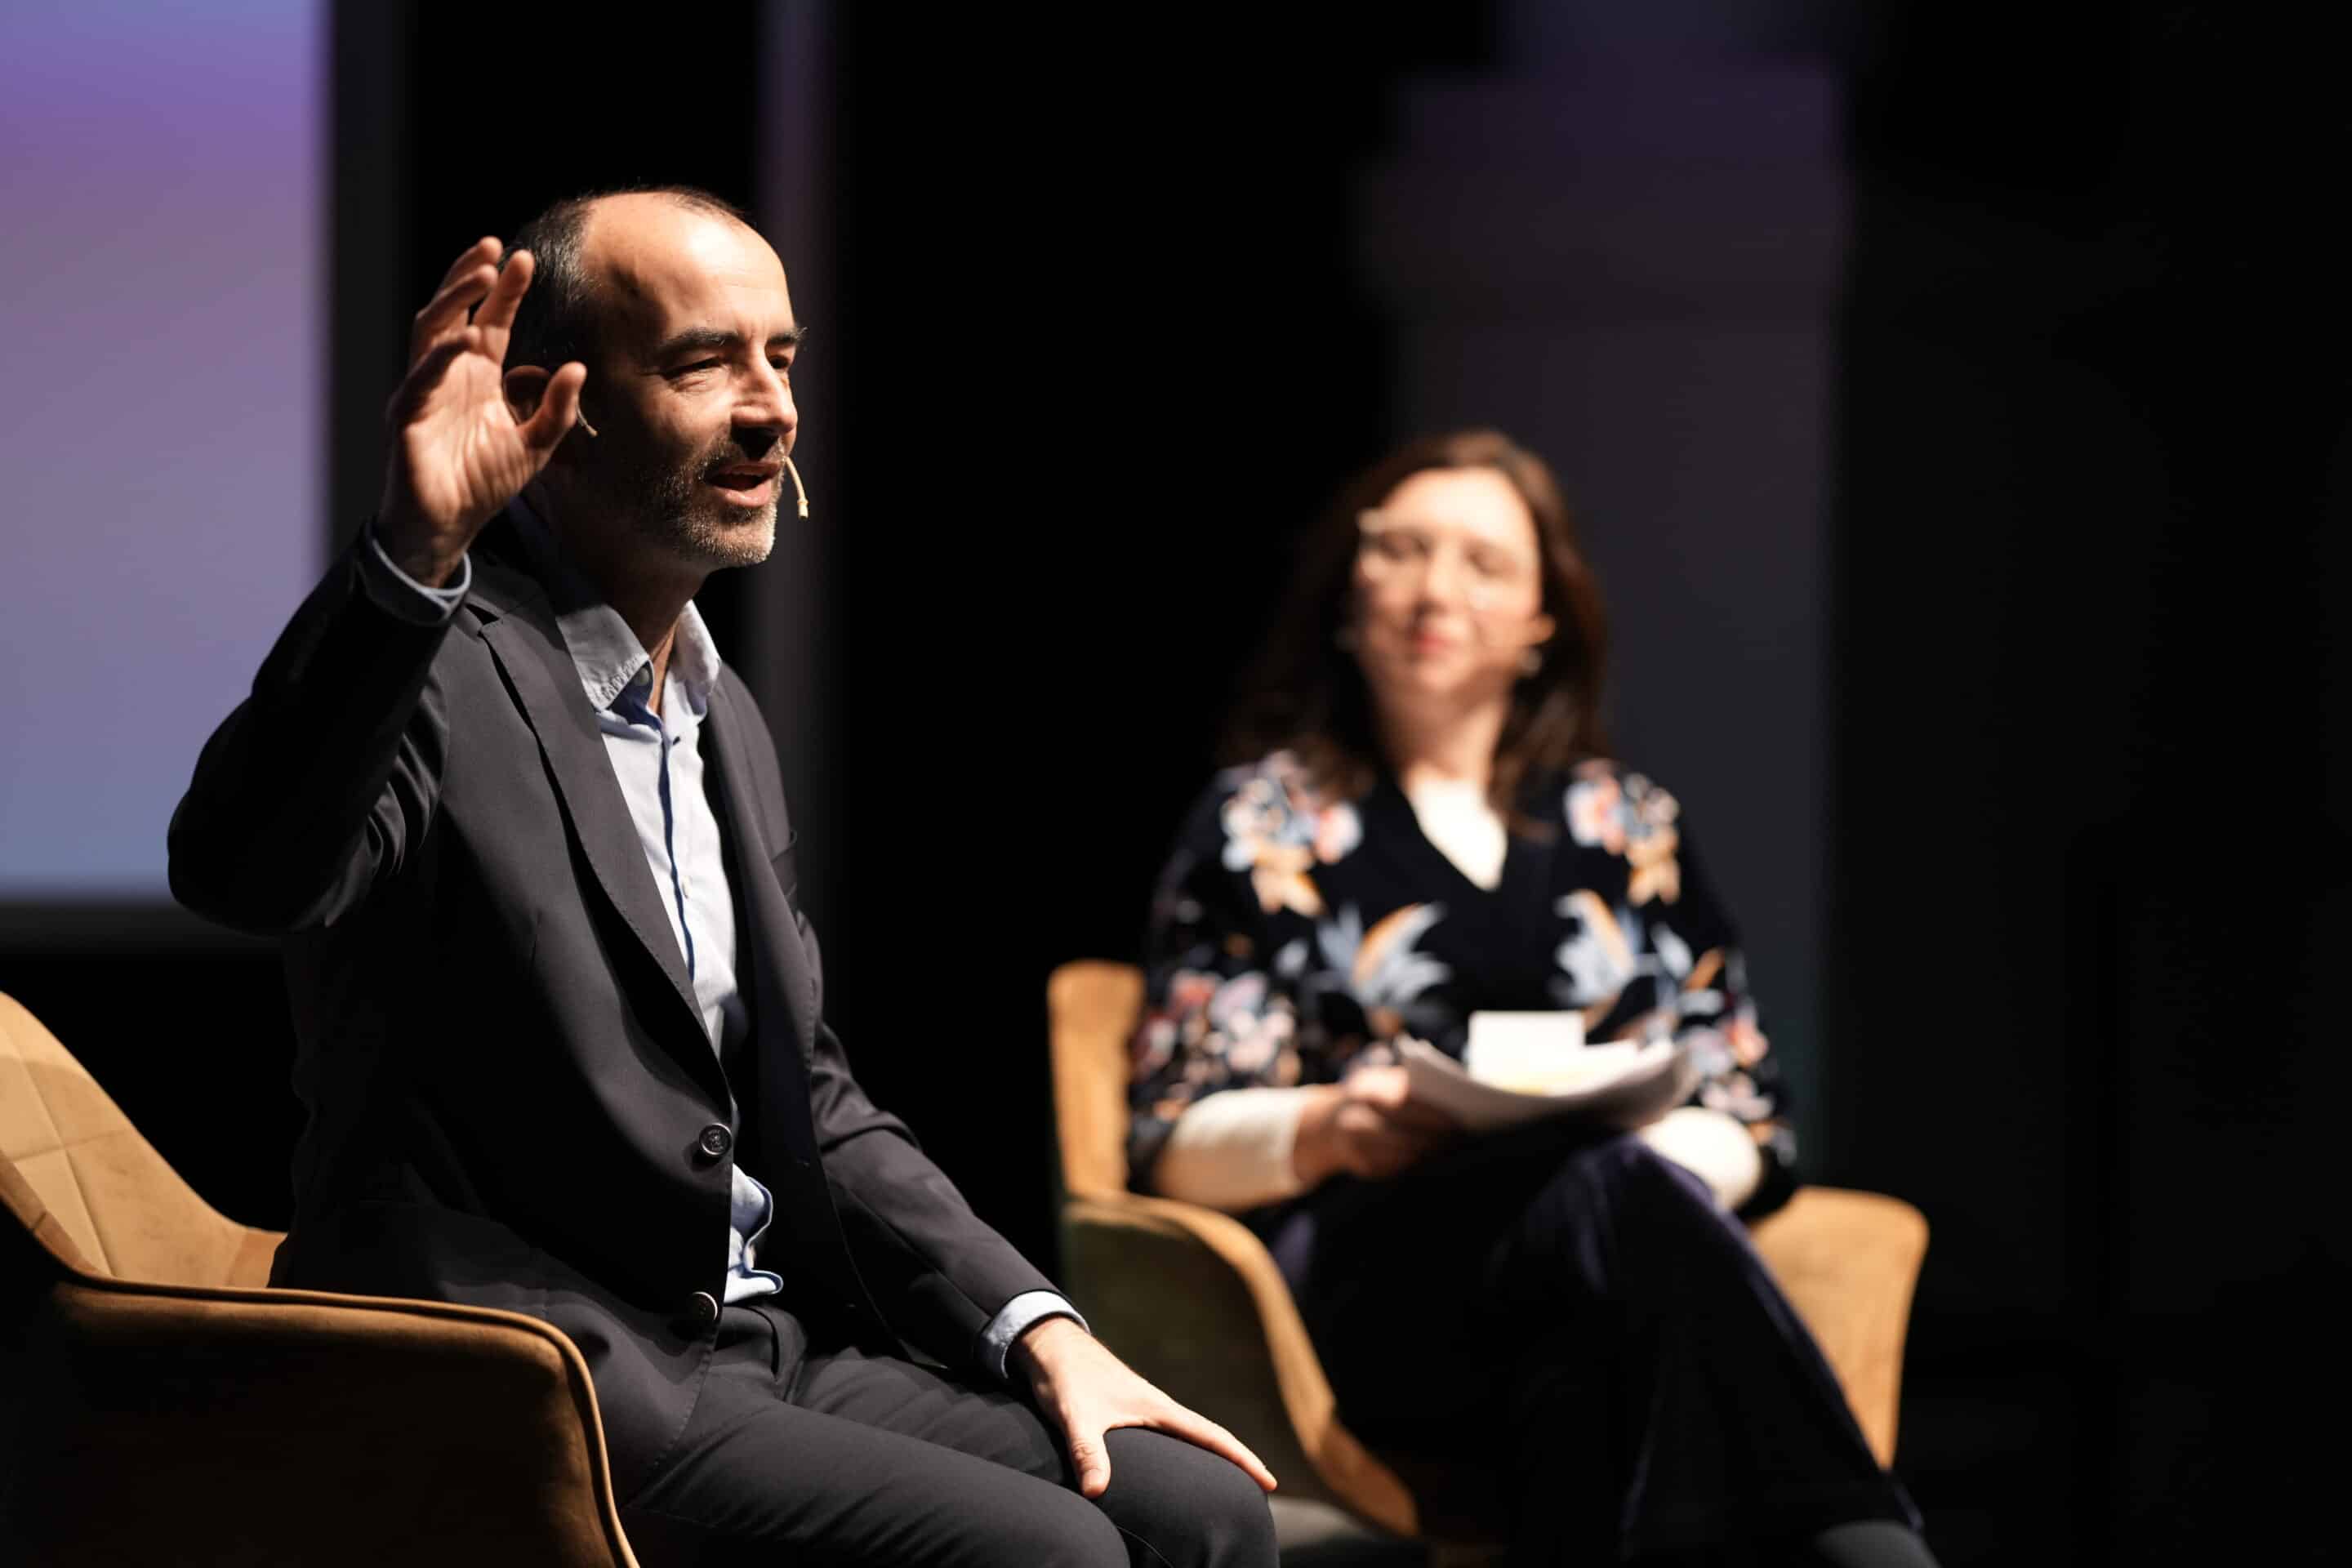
(604, 651)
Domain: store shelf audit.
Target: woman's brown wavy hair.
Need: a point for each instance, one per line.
(1308, 692)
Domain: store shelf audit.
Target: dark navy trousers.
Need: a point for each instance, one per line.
(802, 1456)
(1574, 1314)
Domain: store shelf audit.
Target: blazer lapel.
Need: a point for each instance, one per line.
(784, 1013)
(530, 652)
(772, 926)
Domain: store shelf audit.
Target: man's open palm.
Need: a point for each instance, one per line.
(458, 453)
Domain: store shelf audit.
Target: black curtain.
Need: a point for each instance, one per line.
(1102, 354)
(2091, 875)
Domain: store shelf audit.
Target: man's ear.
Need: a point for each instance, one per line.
(525, 385)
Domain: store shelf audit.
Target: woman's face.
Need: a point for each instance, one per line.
(1448, 588)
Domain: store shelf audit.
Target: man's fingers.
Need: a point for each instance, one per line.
(491, 292)
(1090, 1458)
(482, 250)
(446, 311)
(559, 406)
(497, 311)
(1178, 1421)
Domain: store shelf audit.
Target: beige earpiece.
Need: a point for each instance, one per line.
(800, 491)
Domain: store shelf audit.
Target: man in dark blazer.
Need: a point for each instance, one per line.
(561, 1030)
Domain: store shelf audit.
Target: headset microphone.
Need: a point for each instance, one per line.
(800, 491)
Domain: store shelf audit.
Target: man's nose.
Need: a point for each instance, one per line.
(768, 415)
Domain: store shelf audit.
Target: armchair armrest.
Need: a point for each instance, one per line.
(202, 1425)
(1193, 1301)
(1848, 1261)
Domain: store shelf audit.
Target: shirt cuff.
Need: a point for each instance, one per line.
(1017, 1317)
(398, 594)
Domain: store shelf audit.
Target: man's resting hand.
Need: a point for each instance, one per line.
(1086, 1391)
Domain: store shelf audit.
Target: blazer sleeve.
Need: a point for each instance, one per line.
(326, 776)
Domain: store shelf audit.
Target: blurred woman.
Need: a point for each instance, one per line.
(1431, 827)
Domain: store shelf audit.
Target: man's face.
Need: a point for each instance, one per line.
(691, 391)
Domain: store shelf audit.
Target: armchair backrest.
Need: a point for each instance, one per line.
(1092, 1008)
(94, 1194)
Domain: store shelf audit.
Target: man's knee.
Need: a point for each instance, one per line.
(1067, 1540)
(1189, 1506)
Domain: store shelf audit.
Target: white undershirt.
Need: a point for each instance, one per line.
(1454, 815)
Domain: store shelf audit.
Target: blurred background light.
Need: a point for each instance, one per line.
(161, 281)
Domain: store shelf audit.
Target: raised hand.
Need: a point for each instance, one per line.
(457, 452)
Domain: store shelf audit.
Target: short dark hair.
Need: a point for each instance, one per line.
(556, 321)
(1308, 694)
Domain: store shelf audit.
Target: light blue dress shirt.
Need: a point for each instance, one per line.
(658, 761)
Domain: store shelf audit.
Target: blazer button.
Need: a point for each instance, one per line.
(717, 1141)
(703, 1308)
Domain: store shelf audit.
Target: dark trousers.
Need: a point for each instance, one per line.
(1575, 1314)
(803, 1457)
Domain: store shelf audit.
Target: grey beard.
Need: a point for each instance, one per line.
(704, 530)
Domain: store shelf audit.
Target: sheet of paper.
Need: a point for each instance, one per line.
(1621, 1083)
(1534, 1053)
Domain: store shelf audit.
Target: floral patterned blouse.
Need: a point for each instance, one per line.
(1295, 937)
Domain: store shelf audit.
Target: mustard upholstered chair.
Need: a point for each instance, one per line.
(171, 1409)
(1192, 1300)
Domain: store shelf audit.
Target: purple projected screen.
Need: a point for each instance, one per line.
(162, 301)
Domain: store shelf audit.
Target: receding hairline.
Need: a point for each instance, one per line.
(558, 314)
(587, 208)
(595, 268)
(574, 214)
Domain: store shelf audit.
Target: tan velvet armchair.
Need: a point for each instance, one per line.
(1192, 1300)
(171, 1409)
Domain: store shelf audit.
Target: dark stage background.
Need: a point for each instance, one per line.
(1978, 578)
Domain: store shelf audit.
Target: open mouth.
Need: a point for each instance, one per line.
(744, 481)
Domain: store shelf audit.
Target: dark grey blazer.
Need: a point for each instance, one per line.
(511, 1098)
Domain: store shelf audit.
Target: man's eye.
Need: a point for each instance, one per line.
(699, 364)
